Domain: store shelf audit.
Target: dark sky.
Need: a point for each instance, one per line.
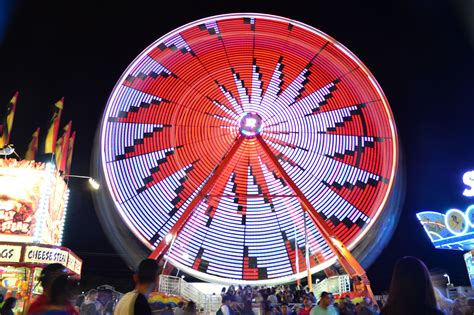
(421, 53)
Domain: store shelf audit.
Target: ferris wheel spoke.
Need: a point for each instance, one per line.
(190, 74)
(334, 171)
(304, 106)
(320, 191)
(146, 104)
(163, 245)
(346, 148)
(290, 211)
(329, 236)
(237, 43)
(243, 91)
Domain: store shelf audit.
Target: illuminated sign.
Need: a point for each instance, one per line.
(33, 198)
(74, 263)
(38, 254)
(452, 230)
(10, 253)
(468, 180)
(455, 228)
(45, 255)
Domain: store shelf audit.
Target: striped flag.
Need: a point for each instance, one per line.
(33, 146)
(52, 133)
(62, 148)
(7, 121)
(69, 153)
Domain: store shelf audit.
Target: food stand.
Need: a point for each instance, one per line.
(33, 204)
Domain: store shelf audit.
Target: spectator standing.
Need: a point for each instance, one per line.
(307, 306)
(324, 306)
(224, 309)
(135, 302)
(295, 310)
(179, 309)
(47, 277)
(411, 290)
(190, 308)
(367, 308)
(284, 309)
(272, 299)
(62, 291)
(247, 310)
(89, 306)
(168, 310)
(7, 307)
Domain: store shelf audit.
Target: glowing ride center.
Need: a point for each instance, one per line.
(248, 148)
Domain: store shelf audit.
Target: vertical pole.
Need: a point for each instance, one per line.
(297, 259)
(308, 266)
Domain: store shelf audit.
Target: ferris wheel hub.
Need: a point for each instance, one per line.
(251, 124)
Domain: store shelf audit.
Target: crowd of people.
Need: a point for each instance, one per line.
(287, 300)
(411, 293)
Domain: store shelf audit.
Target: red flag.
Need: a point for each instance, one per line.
(69, 153)
(7, 122)
(52, 133)
(62, 148)
(33, 146)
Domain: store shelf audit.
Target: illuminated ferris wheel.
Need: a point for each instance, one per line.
(237, 144)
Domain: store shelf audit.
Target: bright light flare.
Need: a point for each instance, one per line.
(94, 184)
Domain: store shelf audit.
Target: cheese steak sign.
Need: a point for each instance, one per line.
(10, 253)
(45, 255)
(74, 264)
(38, 254)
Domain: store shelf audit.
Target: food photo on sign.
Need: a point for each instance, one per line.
(21, 184)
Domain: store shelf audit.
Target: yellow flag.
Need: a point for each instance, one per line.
(33, 146)
(7, 122)
(52, 134)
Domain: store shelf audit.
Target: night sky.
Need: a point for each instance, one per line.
(421, 53)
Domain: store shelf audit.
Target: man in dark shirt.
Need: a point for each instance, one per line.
(135, 302)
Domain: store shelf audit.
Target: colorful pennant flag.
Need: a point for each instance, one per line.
(52, 133)
(33, 146)
(69, 153)
(7, 121)
(62, 148)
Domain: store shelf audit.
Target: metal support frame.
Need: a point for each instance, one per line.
(346, 259)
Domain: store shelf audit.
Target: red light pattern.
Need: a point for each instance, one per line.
(177, 110)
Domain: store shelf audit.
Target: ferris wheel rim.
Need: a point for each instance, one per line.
(386, 107)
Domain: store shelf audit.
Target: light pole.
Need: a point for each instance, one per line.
(92, 182)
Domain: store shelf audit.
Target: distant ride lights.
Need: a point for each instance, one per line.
(237, 145)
